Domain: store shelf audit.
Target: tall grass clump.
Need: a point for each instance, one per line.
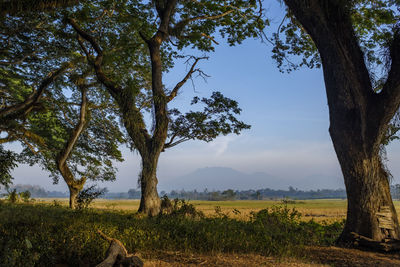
(45, 235)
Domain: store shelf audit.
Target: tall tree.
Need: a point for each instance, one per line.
(160, 25)
(81, 141)
(347, 36)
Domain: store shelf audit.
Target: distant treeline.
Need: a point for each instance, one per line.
(260, 194)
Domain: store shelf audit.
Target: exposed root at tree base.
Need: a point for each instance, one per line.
(386, 246)
(117, 255)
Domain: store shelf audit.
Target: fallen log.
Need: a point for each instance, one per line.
(388, 245)
(117, 255)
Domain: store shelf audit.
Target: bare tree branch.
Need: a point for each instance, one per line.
(192, 70)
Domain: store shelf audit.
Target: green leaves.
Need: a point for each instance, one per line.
(218, 117)
(8, 161)
(373, 22)
(196, 23)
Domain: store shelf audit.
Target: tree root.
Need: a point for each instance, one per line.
(388, 245)
(117, 255)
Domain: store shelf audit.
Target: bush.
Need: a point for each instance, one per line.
(12, 196)
(25, 196)
(87, 195)
(179, 208)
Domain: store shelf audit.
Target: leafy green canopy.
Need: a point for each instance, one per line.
(32, 57)
(34, 47)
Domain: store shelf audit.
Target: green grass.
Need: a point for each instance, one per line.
(45, 235)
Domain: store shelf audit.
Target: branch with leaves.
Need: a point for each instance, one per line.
(217, 118)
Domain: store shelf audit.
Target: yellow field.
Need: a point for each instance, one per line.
(320, 209)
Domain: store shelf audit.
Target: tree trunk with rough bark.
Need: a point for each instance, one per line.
(73, 194)
(367, 187)
(359, 117)
(150, 202)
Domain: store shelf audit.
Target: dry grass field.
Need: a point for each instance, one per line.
(328, 210)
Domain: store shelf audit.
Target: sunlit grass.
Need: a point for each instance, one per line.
(329, 210)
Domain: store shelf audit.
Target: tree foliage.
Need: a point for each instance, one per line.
(373, 23)
(8, 161)
(216, 118)
(96, 148)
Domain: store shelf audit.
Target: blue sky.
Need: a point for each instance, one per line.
(289, 135)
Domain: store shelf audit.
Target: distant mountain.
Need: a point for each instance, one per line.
(222, 178)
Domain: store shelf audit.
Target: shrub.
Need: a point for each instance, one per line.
(179, 207)
(25, 196)
(12, 196)
(87, 195)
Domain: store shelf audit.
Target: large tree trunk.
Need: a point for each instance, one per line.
(368, 192)
(359, 117)
(73, 194)
(150, 202)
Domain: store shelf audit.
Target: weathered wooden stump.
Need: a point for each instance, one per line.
(117, 255)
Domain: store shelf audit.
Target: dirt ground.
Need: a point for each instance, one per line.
(314, 256)
(334, 256)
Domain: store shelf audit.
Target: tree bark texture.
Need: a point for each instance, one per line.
(150, 202)
(359, 117)
(73, 194)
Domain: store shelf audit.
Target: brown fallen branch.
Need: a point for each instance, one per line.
(388, 245)
(117, 255)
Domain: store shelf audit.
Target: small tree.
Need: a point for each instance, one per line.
(79, 142)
